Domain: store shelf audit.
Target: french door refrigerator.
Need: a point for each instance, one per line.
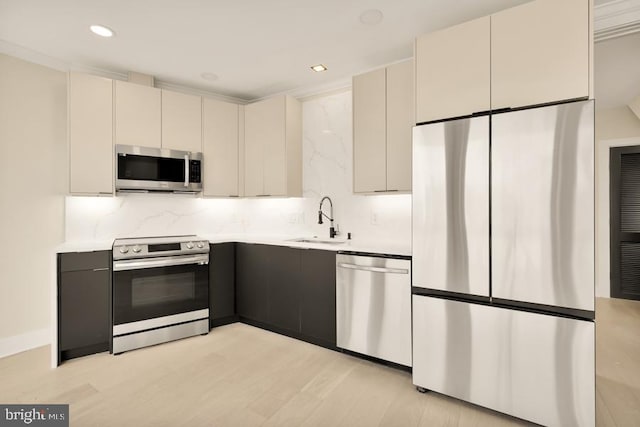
(503, 262)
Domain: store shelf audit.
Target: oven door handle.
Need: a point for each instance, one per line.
(138, 264)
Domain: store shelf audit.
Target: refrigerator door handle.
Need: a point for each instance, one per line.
(373, 269)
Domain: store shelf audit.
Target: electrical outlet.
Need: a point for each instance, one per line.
(374, 218)
(293, 218)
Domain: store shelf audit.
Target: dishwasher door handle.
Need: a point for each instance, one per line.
(373, 269)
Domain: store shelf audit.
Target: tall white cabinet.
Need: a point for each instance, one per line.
(273, 148)
(90, 134)
(383, 117)
(221, 148)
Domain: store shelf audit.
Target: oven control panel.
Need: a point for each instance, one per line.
(158, 247)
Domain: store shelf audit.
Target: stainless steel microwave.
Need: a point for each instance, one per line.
(157, 169)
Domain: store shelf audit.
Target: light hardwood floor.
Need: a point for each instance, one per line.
(242, 376)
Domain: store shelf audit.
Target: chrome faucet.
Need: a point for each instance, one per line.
(332, 231)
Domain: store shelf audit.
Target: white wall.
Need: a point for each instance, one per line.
(614, 127)
(33, 168)
(327, 170)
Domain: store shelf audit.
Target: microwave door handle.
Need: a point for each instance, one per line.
(186, 170)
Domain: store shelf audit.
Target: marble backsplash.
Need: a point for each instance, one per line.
(327, 170)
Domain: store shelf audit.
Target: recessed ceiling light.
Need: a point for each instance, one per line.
(101, 30)
(371, 17)
(209, 76)
(319, 68)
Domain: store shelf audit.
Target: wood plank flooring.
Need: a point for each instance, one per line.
(243, 376)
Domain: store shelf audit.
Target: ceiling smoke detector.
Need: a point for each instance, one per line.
(209, 76)
(371, 17)
(101, 30)
(319, 68)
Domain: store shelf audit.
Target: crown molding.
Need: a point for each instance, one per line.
(616, 19)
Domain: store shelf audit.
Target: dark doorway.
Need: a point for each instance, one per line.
(624, 193)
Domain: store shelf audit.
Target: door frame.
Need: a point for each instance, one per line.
(603, 232)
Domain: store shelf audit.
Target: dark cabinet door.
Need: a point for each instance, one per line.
(284, 287)
(84, 308)
(318, 296)
(251, 281)
(222, 277)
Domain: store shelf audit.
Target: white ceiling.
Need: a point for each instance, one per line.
(256, 48)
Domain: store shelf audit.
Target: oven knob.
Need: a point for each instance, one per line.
(124, 250)
(190, 245)
(137, 249)
(200, 245)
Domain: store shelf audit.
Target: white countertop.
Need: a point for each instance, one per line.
(278, 240)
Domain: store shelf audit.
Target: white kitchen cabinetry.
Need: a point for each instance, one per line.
(221, 148)
(273, 147)
(90, 134)
(535, 53)
(453, 71)
(181, 121)
(138, 115)
(382, 122)
(540, 53)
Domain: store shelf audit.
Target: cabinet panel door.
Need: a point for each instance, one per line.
(252, 264)
(181, 121)
(90, 134)
(369, 132)
(84, 308)
(453, 71)
(284, 288)
(137, 115)
(540, 53)
(400, 121)
(254, 149)
(222, 281)
(318, 296)
(272, 125)
(220, 148)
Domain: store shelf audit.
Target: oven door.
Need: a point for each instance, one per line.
(159, 287)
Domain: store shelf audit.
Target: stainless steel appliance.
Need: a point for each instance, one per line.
(503, 262)
(157, 169)
(373, 306)
(160, 290)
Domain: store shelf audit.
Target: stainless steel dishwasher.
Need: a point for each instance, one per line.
(373, 306)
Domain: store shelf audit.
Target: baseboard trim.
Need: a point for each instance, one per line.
(23, 342)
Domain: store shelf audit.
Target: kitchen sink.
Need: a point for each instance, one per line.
(317, 240)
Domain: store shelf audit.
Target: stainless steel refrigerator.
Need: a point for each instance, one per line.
(503, 262)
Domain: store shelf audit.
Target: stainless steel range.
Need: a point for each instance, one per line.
(160, 290)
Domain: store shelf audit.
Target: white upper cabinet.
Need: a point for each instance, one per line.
(540, 53)
(138, 115)
(273, 147)
(383, 117)
(181, 121)
(221, 148)
(400, 121)
(453, 71)
(369, 132)
(90, 134)
(531, 54)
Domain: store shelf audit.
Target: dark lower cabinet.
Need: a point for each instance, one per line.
(288, 290)
(251, 283)
(84, 303)
(283, 278)
(222, 284)
(318, 296)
